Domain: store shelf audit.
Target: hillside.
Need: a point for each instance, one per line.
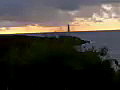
(32, 62)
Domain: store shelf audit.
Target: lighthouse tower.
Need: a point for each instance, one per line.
(68, 28)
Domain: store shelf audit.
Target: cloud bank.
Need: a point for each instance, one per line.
(51, 12)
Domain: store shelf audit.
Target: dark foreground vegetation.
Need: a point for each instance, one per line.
(53, 63)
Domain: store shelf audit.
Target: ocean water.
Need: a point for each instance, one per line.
(98, 39)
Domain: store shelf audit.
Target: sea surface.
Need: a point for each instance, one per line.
(98, 39)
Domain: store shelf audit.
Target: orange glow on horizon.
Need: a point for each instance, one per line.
(109, 24)
(105, 19)
(29, 29)
(88, 25)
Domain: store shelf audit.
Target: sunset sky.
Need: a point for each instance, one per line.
(81, 14)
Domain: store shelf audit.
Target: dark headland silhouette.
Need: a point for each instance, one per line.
(29, 62)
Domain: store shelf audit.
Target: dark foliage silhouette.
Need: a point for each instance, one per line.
(49, 62)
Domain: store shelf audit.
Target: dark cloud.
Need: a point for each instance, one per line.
(73, 4)
(43, 10)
